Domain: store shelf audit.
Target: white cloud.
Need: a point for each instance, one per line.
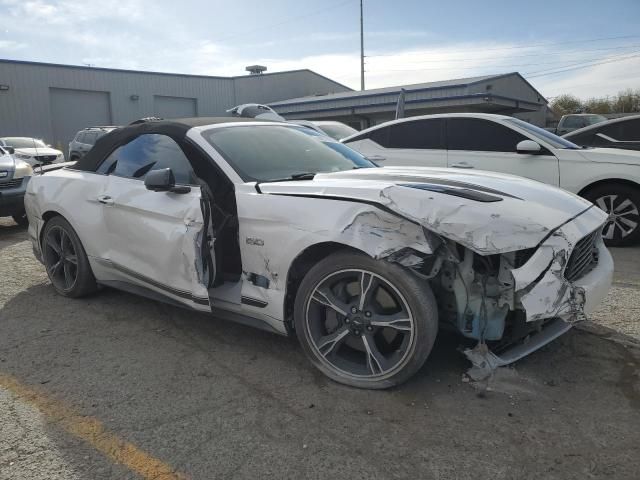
(141, 34)
(11, 45)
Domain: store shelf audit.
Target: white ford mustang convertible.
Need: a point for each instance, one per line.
(277, 226)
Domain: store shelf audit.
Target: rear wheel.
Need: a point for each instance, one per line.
(364, 322)
(65, 259)
(622, 203)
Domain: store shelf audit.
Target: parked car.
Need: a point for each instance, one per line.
(32, 150)
(574, 121)
(268, 225)
(85, 139)
(336, 130)
(617, 133)
(14, 176)
(608, 177)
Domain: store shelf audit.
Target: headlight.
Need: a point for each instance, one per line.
(22, 156)
(23, 169)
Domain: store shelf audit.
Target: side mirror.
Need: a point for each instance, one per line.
(10, 150)
(162, 180)
(529, 147)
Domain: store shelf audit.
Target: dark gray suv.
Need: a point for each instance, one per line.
(84, 140)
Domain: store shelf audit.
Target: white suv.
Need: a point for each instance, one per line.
(608, 177)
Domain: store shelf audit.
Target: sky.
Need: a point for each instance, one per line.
(587, 48)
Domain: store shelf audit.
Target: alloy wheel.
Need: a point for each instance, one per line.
(359, 324)
(623, 216)
(61, 259)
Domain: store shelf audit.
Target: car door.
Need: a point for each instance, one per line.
(419, 143)
(154, 237)
(477, 143)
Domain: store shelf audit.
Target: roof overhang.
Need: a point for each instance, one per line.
(481, 102)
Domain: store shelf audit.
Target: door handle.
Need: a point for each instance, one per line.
(461, 165)
(376, 158)
(105, 199)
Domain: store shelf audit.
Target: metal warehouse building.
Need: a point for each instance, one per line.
(53, 102)
(507, 94)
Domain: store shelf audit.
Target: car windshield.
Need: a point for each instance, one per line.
(593, 119)
(21, 142)
(337, 130)
(271, 152)
(551, 138)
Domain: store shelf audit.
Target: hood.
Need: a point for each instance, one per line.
(486, 212)
(611, 155)
(38, 151)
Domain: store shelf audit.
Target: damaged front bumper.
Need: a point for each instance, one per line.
(562, 283)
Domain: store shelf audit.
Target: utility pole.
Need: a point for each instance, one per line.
(361, 48)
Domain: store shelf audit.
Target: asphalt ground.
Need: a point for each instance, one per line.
(118, 386)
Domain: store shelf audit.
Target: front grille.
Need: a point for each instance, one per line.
(45, 158)
(583, 259)
(16, 182)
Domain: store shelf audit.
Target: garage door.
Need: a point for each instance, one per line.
(73, 110)
(174, 107)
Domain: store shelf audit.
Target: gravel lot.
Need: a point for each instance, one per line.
(212, 399)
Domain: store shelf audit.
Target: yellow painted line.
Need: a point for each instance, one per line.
(93, 432)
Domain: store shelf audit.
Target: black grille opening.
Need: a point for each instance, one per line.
(583, 259)
(16, 182)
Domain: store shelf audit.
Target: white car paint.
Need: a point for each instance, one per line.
(572, 170)
(31, 154)
(152, 239)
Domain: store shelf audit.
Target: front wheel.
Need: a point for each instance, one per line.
(622, 203)
(363, 322)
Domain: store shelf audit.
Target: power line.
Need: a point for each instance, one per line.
(542, 54)
(484, 66)
(515, 47)
(529, 75)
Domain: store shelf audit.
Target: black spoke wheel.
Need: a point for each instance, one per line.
(622, 204)
(363, 322)
(65, 259)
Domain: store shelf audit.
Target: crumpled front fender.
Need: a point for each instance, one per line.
(541, 286)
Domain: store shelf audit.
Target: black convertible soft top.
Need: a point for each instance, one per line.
(174, 128)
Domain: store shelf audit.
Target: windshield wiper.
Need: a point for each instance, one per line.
(294, 177)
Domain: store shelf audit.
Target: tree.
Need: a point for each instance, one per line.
(597, 105)
(628, 101)
(566, 104)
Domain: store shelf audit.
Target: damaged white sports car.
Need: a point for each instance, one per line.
(273, 225)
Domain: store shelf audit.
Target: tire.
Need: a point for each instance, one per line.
(622, 203)
(21, 219)
(69, 272)
(375, 343)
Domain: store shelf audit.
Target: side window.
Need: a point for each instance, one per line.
(145, 153)
(476, 134)
(623, 131)
(417, 134)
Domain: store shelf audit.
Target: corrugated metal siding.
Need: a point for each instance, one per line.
(25, 108)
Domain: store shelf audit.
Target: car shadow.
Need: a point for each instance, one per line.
(208, 393)
(11, 233)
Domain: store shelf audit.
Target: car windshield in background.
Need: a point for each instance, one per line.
(337, 131)
(270, 152)
(23, 142)
(551, 138)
